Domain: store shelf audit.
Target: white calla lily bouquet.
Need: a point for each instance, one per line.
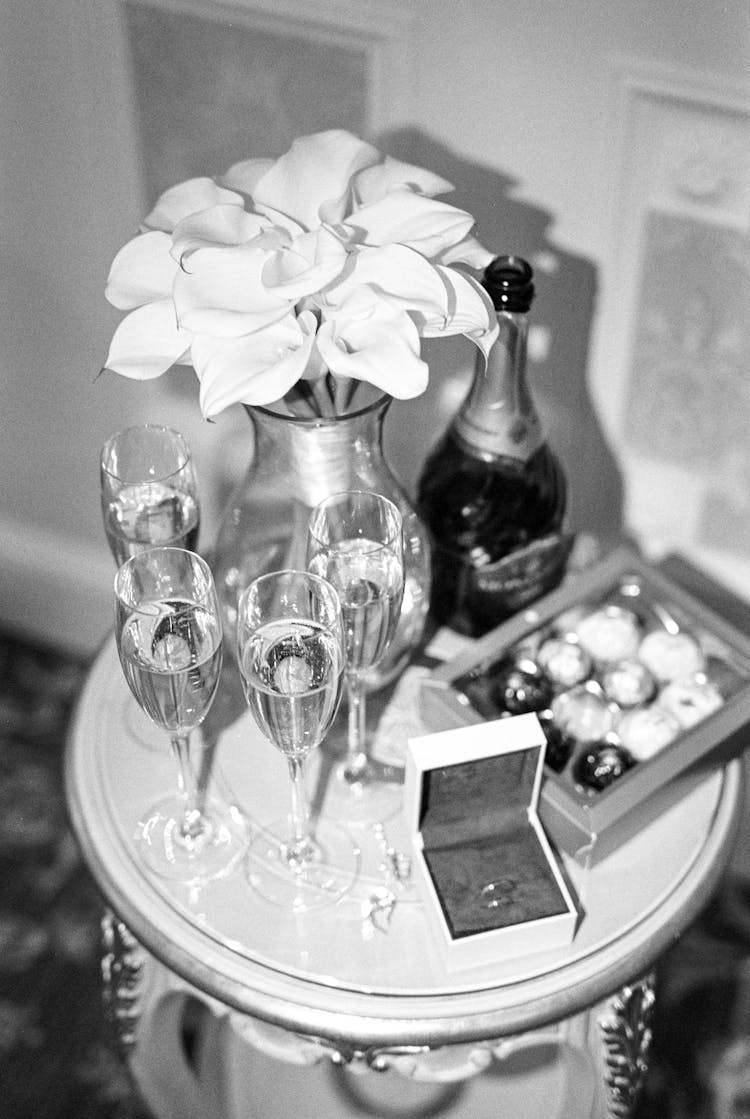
(299, 277)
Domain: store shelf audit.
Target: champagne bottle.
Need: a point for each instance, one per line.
(492, 491)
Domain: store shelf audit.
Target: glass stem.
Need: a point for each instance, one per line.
(192, 824)
(356, 758)
(299, 845)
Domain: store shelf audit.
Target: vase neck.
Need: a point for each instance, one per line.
(321, 456)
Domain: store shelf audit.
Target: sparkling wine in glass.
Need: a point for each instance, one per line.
(148, 491)
(291, 657)
(355, 540)
(169, 640)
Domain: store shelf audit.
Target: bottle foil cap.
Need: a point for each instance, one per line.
(509, 283)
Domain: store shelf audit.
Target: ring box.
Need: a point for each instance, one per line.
(484, 866)
(589, 824)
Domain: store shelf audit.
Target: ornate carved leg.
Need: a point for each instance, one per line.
(122, 975)
(625, 1029)
(146, 1005)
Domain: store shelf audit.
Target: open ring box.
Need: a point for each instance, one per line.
(611, 767)
(484, 866)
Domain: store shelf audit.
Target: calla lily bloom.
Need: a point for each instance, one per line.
(188, 198)
(330, 260)
(255, 369)
(368, 338)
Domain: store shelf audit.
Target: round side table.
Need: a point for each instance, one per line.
(216, 994)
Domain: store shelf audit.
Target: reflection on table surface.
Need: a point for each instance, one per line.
(376, 939)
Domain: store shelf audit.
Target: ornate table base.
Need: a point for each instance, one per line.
(193, 1056)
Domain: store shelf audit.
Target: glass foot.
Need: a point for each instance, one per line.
(327, 871)
(212, 853)
(371, 794)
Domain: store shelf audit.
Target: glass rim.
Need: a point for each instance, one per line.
(381, 497)
(133, 561)
(267, 576)
(164, 429)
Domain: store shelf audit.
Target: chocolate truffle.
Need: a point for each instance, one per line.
(601, 764)
(669, 655)
(609, 634)
(565, 661)
(690, 698)
(583, 713)
(645, 731)
(629, 683)
(522, 687)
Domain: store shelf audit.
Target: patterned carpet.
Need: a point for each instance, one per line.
(57, 1055)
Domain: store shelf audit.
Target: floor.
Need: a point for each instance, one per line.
(58, 1057)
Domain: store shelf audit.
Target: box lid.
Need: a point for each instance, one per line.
(472, 796)
(460, 784)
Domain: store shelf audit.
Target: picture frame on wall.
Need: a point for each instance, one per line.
(214, 83)
(671, 374)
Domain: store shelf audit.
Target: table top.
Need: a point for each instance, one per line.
(333, 973)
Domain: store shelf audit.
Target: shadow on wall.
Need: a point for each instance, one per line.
(564, 307)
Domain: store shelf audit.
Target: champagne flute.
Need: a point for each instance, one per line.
(291, 653)
(169, 640)
(148, 491)
(355, 540)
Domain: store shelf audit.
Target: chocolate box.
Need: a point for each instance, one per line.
(481, 860)
(605, 775)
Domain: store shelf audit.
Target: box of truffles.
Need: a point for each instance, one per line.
(637, 683)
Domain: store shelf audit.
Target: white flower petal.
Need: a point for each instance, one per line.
(223, 292)
(147, 342)
(244, 175)
(310, 263)
(187, 198)
(402, 273)
(369, 340)
(373, 183)
(257, 369)
(280, 221)
(406, 218)
(316, 170)
(470, 312)
(219, 225)
(142, 271)
(469, 251)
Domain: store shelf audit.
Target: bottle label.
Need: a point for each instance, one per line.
(506, 586)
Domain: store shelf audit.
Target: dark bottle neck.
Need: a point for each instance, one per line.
(498, 417)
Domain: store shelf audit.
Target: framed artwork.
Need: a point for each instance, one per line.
(214, 83)
(672, 373)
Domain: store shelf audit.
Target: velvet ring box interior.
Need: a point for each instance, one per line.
(490, 880)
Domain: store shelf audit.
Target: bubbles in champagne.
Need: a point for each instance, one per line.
(291, 670)
(172, 660)
(369, 580)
